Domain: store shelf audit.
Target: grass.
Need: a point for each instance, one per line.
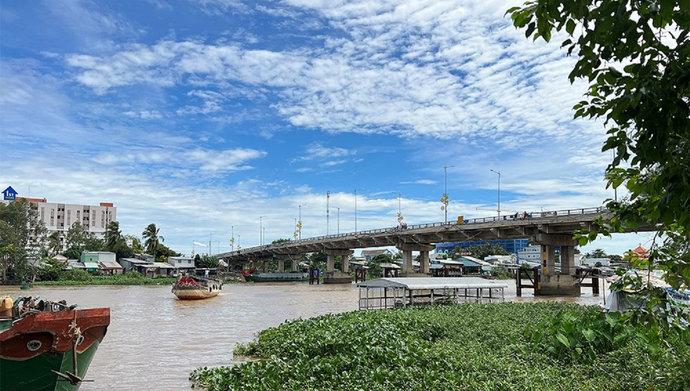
(80, 277)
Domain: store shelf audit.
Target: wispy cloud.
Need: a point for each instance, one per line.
(419, 182)
(205, 160)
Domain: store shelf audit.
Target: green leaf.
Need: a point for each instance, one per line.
(570, 26)
(563, 339)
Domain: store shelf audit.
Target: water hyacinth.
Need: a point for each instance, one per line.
(471, 347)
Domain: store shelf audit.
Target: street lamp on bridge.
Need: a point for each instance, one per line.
(444, 199)
(261, 230)
(232, 238)
(338, 220)
(499, 190)
(356, 208)
(299, 222)
(400, 216)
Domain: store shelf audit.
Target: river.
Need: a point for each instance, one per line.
(154, 340)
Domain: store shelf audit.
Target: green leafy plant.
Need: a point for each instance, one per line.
(468, 347)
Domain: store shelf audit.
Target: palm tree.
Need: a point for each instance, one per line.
(113, 236)
(54, 244)
(152, 239)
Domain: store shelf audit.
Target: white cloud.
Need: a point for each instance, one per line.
(440, 76)
(144, 114)
(419, 182)
(205, 160)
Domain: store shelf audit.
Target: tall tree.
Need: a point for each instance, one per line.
(598, 253)
(21, 235)
(636, 56)
(152, 239)
(481, 251)
(374, 264)
(115, 241)
(54, 244)
(206, 261)
(76, 235)
(113, 235)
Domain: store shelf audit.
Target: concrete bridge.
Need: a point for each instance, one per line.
(550, 229)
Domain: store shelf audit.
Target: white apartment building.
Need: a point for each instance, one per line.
(59, 217)
(531, 253)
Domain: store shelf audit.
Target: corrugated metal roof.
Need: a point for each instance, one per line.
(110, 265)
(433, 283)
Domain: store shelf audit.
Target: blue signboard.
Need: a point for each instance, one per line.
(9, 194)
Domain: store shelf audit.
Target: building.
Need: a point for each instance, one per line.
(59, 217)
(531, 254)
(369, 254)
(104, 261)
(147, 268)
(182, 264)
(133, 264)
(510, 245)
(640, 252)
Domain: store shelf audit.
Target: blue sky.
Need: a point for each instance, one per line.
(213, 117)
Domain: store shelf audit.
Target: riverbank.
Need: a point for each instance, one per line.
(126, 279)
(508, 346)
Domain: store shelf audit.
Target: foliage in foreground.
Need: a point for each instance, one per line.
(636, 57)
(508, 346)
(81, 277)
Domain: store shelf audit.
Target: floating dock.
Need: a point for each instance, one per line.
(401, 292)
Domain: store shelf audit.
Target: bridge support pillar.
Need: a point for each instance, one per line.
(281, 265)
(341, 277)
(564, 283)
(295, 264)
(408, 267)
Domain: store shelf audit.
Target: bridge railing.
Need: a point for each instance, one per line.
(480, 220)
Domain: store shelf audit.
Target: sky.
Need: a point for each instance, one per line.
(220, 119)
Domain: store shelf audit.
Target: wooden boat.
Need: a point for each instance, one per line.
(196, 288)
(46, 345)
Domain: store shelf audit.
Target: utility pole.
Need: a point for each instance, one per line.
(328, 200)
(499, 191)
(444, 199)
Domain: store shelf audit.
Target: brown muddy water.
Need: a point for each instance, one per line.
(155, 340)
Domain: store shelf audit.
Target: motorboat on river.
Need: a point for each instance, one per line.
(47, 345)
(196, 288)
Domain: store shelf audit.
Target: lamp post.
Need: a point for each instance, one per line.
(499, 191)
(328, 213)
(232, 238)
(400, 216)
(444, 199)
(210, 244)
(261, 230)
(299, 223)
(356, 209)
(338, 220)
